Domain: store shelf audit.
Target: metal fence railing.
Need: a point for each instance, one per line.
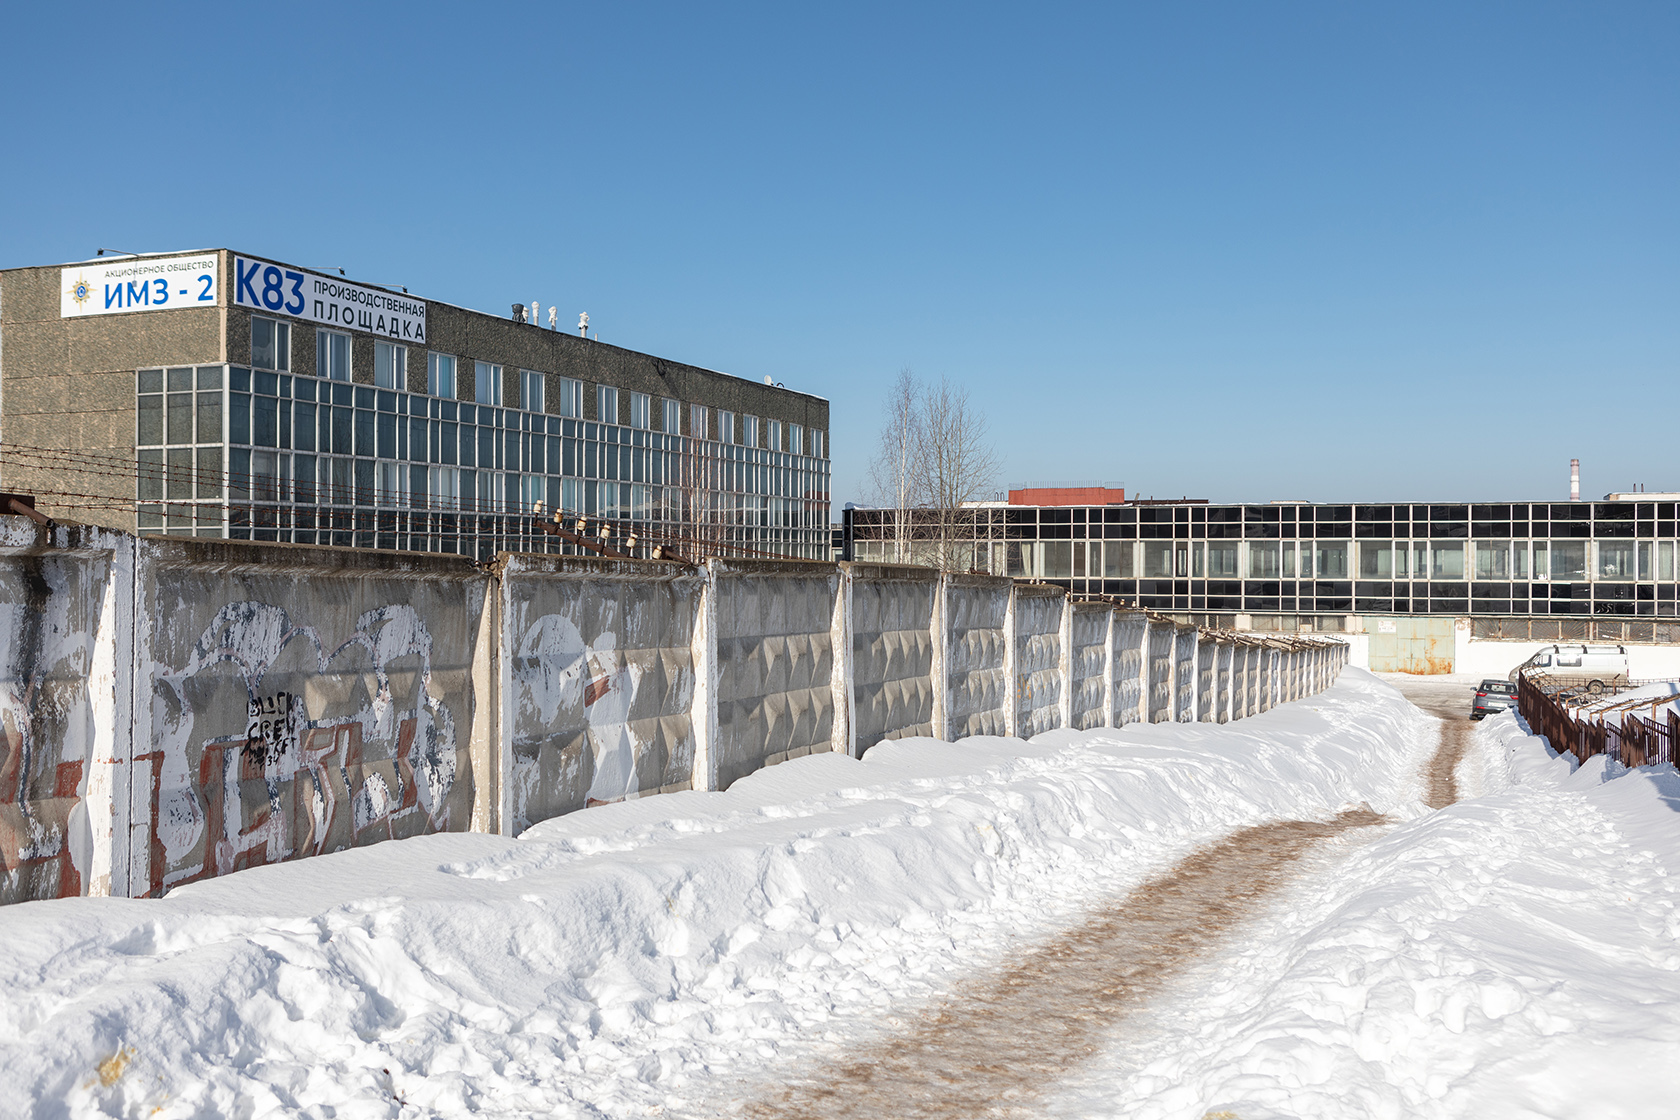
(1619, 730)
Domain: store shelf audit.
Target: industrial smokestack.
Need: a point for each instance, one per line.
(1574, 480)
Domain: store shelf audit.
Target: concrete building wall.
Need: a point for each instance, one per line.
(69, 383)
(977, 674)
(597, 682)
(892, 628)
(775, 661)
(1039, 679)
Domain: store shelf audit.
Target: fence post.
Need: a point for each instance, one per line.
(1012, 687)
(1064, 663)
(1108, 670)
(705, 710)
(843, 738)
(941, 660)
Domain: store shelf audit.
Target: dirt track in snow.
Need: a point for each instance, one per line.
(999, 1041)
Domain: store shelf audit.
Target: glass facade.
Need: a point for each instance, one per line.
(1542, 558)
(261, 454)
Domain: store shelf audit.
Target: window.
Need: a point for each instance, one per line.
(726, 426)
(1262, 560)
(1157, 558)
(1222, 560)
(672, 424)
(796, 439)
(440, 375)
(775, 435)
(1569, 560)
(271, 344)
(640, 405)
(487, 384)
(1615, 560)
(531, 390)
(390, 365)
(606, 404)
(571, 398)
(697, 421)
(816, 444)
(1117, 559)
(1331, 560)
(1446, 559)
(332, 355)
(749, 430)
(1376, 560)
(1493, 560)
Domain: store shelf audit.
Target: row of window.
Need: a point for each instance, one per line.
(1487, 560)
(271, 351)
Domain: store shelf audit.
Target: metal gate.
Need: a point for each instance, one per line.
(1410, 645)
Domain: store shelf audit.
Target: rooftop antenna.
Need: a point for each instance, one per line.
(536, 313)
(119, 252)
(1574, 480)
(553, 318)
(583, 324)
(518, 313)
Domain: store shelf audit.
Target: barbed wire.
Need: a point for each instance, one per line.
(261, 495)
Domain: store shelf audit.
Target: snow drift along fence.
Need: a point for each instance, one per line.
(173, 709)
(1634, 740)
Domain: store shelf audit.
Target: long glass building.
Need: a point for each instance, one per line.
(215, 394)
(1311, 565)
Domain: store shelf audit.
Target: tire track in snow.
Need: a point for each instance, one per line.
(1442, 778)
(1000, 1040)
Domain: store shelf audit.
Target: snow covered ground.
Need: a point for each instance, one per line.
(1514, 955)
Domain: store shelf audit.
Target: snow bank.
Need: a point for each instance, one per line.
(672, 952)
(1515, 955)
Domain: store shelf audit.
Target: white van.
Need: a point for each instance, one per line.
(1593, 666)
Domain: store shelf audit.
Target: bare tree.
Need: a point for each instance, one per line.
(894, 472)
(934, 457)
(957, 466)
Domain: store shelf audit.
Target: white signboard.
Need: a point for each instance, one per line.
(1385, 626)
(262, 286)
(108, 288)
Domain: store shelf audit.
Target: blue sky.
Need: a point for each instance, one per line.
(1242, 252)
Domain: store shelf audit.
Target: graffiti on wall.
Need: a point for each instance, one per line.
(48, 614)
(273, 744)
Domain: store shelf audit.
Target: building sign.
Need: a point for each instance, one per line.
(322, 299)
(108, 288)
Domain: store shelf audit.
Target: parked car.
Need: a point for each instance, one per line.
(1591, 667)
(1493, 696)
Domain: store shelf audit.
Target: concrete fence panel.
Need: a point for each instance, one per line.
(597, 682)
(1039, 682)
(775, 656)
(66, 611)
(1207, 679)
(298, 701)
(1088, 659)
(1184, 674)
(1224, 682)
(978, 688)
(892, 613)
(1131, 635)
(1161, 671)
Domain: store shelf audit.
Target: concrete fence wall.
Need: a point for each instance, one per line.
(173, 709)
